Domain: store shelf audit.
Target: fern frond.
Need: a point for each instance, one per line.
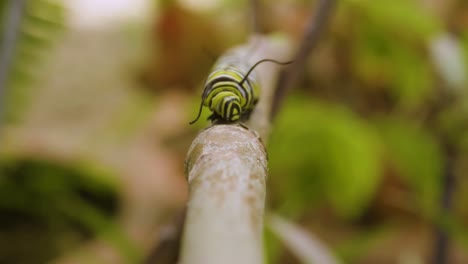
(28, 29)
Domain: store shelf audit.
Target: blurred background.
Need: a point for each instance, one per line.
(369, 152)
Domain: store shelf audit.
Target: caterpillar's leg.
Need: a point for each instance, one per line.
(242, 124)
(246, 115)
(215, 119)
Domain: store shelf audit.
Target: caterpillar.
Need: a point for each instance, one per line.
(231, 90)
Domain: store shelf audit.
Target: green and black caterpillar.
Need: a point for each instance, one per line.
(232, 90)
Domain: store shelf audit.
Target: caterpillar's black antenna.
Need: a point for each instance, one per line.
(201, 105)
(199, 112)
(259, 62)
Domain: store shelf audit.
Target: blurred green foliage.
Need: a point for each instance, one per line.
(41, 23)
(406, 18)
(388, 47)
(336, 156)
(393, 151)
(47, 206)
(336, 151)
(418, 156)
(378, 59)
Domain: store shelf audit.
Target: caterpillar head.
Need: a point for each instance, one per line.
(227, 106)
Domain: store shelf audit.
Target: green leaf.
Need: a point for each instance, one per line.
(320, 151)
(412, 78)
(417, 156)
(407, 17)
(379, 61)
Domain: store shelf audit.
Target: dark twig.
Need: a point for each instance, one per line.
(289, 75)
(255, 16)
(167, 251)
(12, 24)
(442, 241)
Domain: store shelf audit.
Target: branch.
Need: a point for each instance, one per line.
(12, 24)
(227, 173)
(289, 75)
(226, 170)
(304, 245)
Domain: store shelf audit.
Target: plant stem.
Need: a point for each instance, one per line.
(442, 241)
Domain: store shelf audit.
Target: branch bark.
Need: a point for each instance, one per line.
(226, 170)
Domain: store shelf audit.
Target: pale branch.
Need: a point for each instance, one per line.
(226, 170)
(305, 246)
(289, 75)
(227, 174)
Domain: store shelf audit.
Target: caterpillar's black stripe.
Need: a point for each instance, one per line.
(226, 79)
(214, 90)
(233, 82)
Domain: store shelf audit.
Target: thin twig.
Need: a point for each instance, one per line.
(13, 14)
(255, 16)
(441, 247)
(289, 75)
(305, 246)
(442, 241)
(446, 52)
(167, 251)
